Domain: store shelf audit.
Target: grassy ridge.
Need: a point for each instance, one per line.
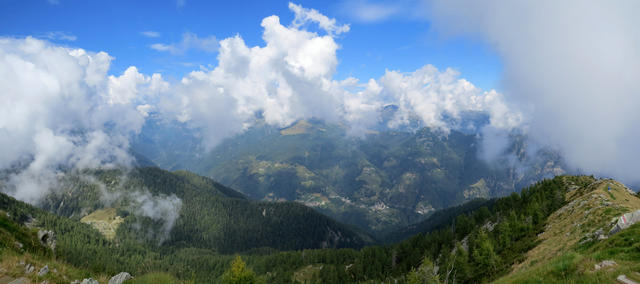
(568, 250)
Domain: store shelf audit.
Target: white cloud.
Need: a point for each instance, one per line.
(304, 16)
(573, 65)
(150, 34)
(291, 77)
(286, 79)
(431, 95)
(59, 109)
(189, 41)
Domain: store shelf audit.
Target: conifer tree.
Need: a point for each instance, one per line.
(238, 273)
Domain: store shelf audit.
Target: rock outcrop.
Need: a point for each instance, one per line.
(605, 263)
(120, 278)
(624, 280)
(43, 271)
(29, 268)
(47, 238)
(625, 221)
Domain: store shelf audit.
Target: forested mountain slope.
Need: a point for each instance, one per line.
(186, 210)
(381, 181)
(549, 233)
(211, 222)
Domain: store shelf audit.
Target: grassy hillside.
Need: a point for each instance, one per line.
(20, 248)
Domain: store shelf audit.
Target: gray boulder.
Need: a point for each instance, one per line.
(47, 238)
(605, 263)
(120, 278)
(624, 280)
(89, 281)
(29, 268)
(43, 271)
(625, 221)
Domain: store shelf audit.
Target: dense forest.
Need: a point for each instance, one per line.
(473, 243)
(210, 216)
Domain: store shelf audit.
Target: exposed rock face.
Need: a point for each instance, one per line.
(120, 278)
(625, 221)
(488, 226)
(47, 238)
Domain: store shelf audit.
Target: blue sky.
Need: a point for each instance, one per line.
(395, 41)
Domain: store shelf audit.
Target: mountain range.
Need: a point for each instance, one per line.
(381, 181)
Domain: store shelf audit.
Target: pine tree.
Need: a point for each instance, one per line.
(425, 274)
(238, 273)
(487, 261)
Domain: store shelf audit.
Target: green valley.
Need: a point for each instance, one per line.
(383, 181)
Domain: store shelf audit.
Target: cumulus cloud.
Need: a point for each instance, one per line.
(572, 65)
(189, 41)
(291, 78)
(288, 78)
(431, 95)
(59, 109)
